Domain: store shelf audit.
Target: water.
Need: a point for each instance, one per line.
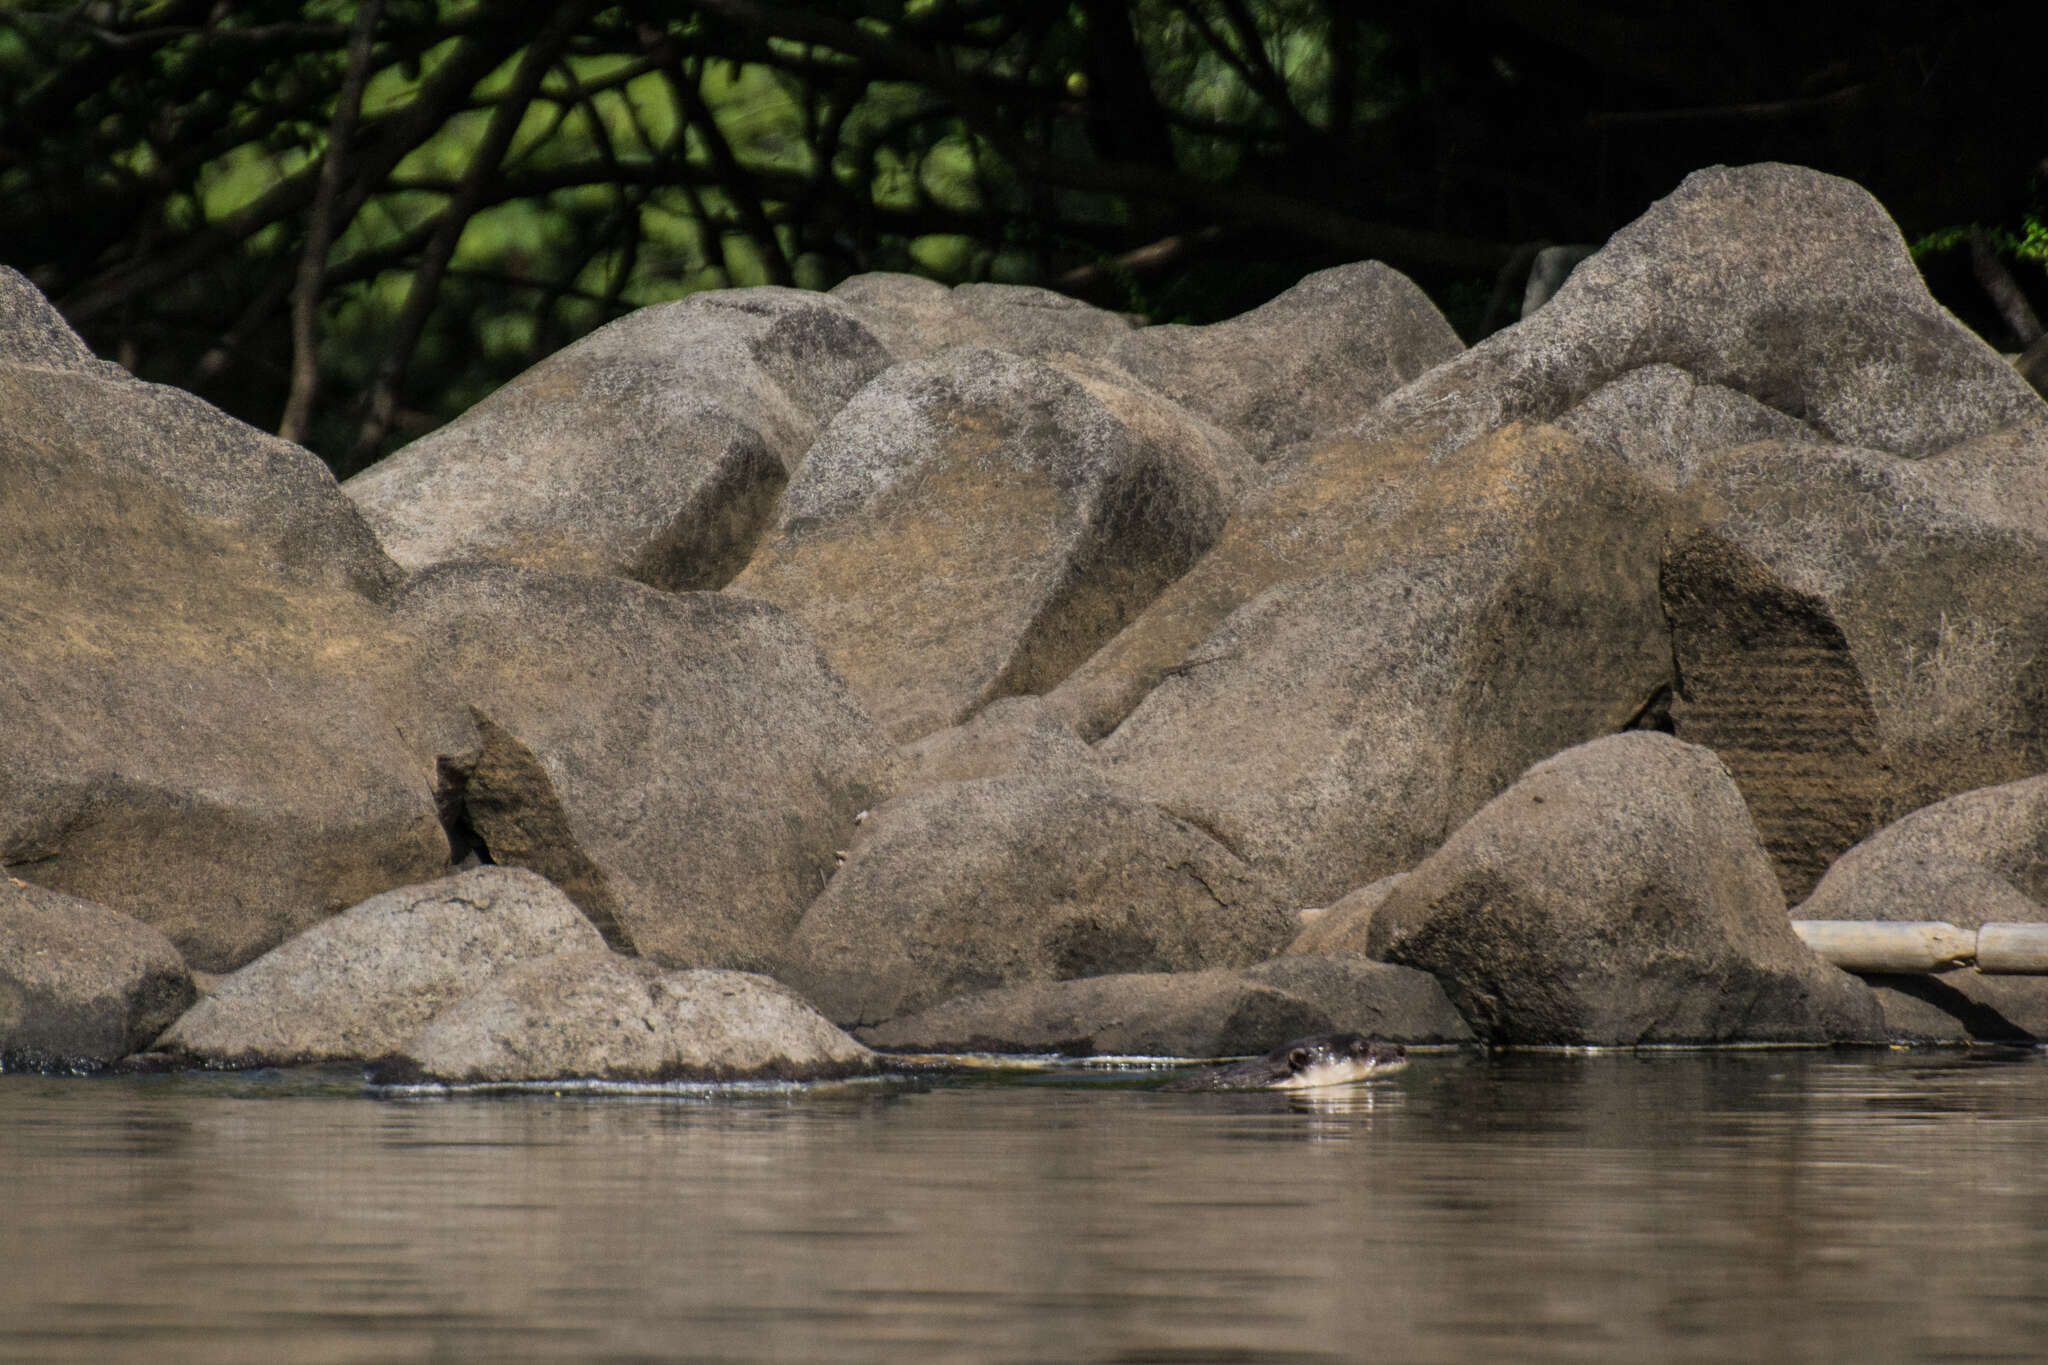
(1757, 1206)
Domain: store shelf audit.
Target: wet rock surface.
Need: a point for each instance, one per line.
(1217, 1013)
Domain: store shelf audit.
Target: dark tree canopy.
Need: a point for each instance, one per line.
(349, 221)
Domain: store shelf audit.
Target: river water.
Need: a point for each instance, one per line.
(1739, 1206)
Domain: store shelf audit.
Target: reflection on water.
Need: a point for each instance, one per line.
(1768, 1206)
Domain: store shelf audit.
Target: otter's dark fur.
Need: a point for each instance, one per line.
(1332, 1059)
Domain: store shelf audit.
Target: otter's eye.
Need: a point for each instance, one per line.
(1297, 1059)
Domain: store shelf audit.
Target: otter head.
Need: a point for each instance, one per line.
(1336, 1059)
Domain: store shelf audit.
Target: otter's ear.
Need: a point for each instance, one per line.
(1297, 1059)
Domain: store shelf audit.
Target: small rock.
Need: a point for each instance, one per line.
(80, 985)
(357, 986)
(602, 1016)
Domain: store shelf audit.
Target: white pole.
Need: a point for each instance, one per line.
(2013, 949)
(1880, 946)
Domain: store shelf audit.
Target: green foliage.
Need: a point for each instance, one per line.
(159, 160)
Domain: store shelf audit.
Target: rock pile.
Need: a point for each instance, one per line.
(974, 668)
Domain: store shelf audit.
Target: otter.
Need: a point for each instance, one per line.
(1332, 1059)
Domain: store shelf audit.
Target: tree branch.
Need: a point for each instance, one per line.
(322, 229)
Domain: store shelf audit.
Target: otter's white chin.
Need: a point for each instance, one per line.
(1318, 1074)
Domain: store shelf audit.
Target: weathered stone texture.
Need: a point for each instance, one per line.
(684, 765)
(356, 987)
(973, 526)
(652, 449)
(1617, 895)
(962, 887)
(80, 985)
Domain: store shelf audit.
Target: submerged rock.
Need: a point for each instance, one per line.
(1617, 895)
(356, 987)
(607, 1017)
(80, 985)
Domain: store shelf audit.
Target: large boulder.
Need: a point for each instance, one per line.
(914, 317)
(684, 765)
(1016, 736)
(601, 1016)
(971, 527)
(957, 888)
(209, 724)
(1336, 728)
(1616, 896)
(1328, 513)
(1217, 1013)
(1344, 925)
(80, 985)
(1030, 321)
(1857, 633)
(1980, 857)
(1664, 423)
(1312, 360)
(653, 449)
(357, 986)
(85, 428)
(1787, 285)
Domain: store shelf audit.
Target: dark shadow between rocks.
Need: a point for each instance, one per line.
(512, 815)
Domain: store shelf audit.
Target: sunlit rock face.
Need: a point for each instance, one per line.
(80, 985)
(969, 885)
(1858, 634)
(357, 986)
(981, 658)
(1775, 281)
(207, 720)
(597, 1014)
(1617, 895)
(684, 765)
(972, 527)
(1338, 725)
(653, 449)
